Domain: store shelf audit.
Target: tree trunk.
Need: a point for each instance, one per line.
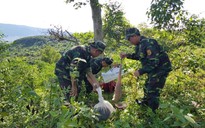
(97, 21)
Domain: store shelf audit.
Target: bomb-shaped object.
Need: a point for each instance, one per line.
(103, 108)
(103, 113)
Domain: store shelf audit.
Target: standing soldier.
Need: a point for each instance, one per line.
(96, 66)
(72, 66)
(155, 62)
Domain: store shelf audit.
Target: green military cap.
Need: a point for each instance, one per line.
(98, 45)
(131, 32)
(108, 60)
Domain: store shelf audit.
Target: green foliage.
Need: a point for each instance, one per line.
(50, 55)
(3, 46)
(33, 40)
(114, 25)
(77, 4)
(168, 16)
(31, 96)
(18, 81)
(33, 52)
(169, 40)
(4, 50)
(84, 38)
(194, 30)
(1, 36)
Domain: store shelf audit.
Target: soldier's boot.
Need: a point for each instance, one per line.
(142, 102)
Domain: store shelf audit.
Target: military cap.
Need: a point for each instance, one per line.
(131, 32)
(108, 60)
(98, 45)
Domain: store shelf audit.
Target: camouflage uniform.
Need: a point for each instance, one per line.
(75, 63)
(96, 66)
(155, 62)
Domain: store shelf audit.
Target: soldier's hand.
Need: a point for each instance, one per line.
(74, 89)
(136, 73)
(123, 55)
(95, 86)
(115, 65)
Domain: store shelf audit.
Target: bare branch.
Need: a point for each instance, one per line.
(58, 33)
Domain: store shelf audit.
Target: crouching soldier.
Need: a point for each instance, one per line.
(96, 66)
(73, 64)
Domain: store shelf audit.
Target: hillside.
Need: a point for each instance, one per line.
(30, 89)
(32, 46)
(13, 32)
(33, 41)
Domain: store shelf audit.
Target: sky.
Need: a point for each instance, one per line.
(46, 13)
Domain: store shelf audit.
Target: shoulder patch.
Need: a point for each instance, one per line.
(149, 52)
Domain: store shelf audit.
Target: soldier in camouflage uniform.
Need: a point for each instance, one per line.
(72, 66)
(96, 66)
(155, 62)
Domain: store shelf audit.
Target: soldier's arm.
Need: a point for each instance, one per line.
(132, 56)
(68, 55)
(92, 79)
(151, 58)
(96, 66)
(74, 73)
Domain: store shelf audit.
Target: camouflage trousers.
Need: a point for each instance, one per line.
(88, 86)
(65, 83)
(153, 86)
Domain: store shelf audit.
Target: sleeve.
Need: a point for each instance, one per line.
(151, 57)
(74, 72)
(66, 59)
(132, 56)
(96, 66)
(76, 63)
(88, 70)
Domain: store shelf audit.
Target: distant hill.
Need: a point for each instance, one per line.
(32, 45)
(33, 41)
(13, 32)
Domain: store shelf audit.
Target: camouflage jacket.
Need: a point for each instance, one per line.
(76, 59)
(96, 65)
(152, 57)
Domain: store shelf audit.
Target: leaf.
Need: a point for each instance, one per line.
(4, 114)
(33, 93)
(176, 124)
(191, 120)
(164, 105)
(167, 118)
(53, 113)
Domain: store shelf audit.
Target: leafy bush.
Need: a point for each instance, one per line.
(50, 55)
(31, 96)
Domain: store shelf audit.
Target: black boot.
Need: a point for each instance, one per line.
(141, 102)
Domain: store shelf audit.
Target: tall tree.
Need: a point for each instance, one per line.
(96, 16)
(97, 21)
